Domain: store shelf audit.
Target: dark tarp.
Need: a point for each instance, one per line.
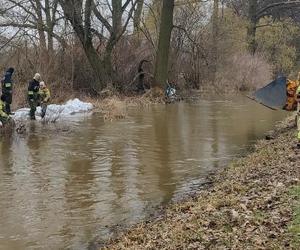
(273, 95)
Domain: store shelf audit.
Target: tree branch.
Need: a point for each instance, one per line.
(101, 18)
(284, 4)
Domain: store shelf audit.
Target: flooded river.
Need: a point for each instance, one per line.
(64, 185)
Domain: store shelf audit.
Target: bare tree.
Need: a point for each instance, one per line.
(41, 16)
(257, 9)
(162, 57)
(138, 15)
(80, 14)
(215, 27)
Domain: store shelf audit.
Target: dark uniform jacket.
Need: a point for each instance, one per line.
(6, 84)
(33, 89)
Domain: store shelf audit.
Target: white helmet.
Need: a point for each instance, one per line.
(37, 77)
(42, 85)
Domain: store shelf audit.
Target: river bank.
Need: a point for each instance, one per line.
(113, 105)
(253, 204)
(87, 178)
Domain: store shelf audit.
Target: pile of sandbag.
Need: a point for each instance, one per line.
(56, 112)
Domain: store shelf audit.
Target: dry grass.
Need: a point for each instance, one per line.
(295, 226)
(113, 108)
(139, 101)
(8, 128)
(243, 72)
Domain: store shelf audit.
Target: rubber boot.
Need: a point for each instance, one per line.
(44, 109)
(7, 109)
(32, 115)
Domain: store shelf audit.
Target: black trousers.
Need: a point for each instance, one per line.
(8, 101)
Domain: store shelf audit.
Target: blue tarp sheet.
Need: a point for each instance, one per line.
(273, 95)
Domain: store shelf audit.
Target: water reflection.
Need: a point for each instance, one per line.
(62, 189)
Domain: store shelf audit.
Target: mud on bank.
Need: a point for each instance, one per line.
(252, 204)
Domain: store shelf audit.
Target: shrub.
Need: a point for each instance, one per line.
(244, 72)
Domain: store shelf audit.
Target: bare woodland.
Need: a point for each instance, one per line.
(91, 45)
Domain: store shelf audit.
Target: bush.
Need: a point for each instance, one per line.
(243, 72)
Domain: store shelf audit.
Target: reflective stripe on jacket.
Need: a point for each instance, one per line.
(2, 108)
(7, 81)
(7, 88)
(33, 88)
(298, 90)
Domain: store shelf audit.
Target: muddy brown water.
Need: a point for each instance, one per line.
(62, 186)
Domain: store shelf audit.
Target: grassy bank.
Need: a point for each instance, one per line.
(253, 204)
(295, 225)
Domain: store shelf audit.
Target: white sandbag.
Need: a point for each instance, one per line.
(56, 112)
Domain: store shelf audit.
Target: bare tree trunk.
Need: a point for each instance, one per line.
(137, 16)
(117, 16)
(50, 23)
(83, 32)
(116, 31)
(42, 37)
(97, 67)
(251, 32)
(79, 14)
(215, 27)
(162, 57)
(107, 60)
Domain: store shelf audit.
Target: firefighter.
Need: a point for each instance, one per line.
(3, 115)
(44, 93)
(33, 94)
(6, 83)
